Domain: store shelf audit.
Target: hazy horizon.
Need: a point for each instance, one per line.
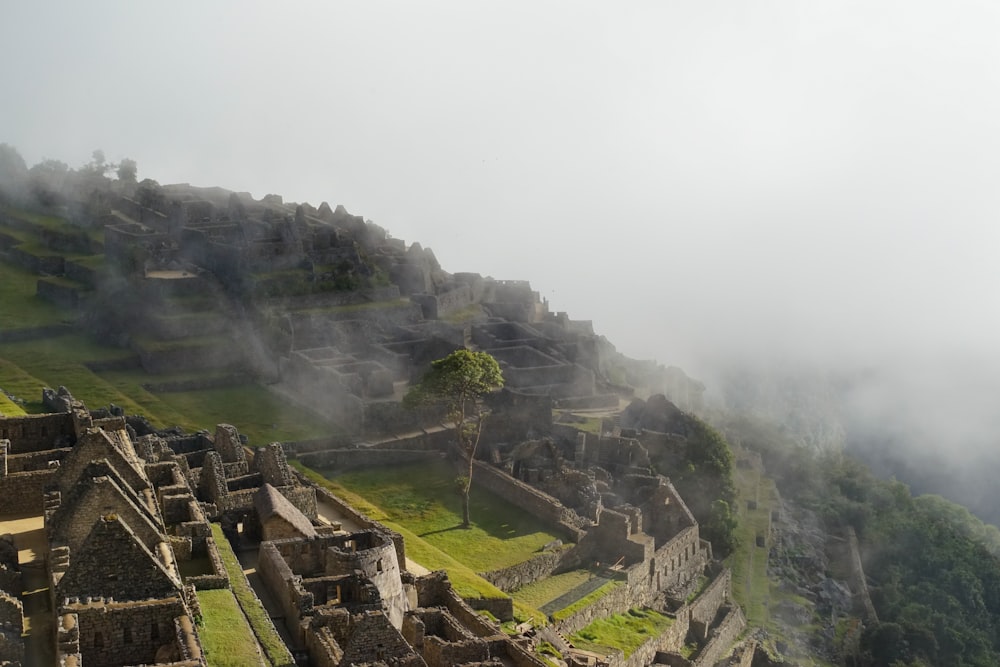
(711, 183)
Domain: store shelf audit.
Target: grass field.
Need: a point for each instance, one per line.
(466, 582)
(225, 635)
(626, 631)
(274, 649)
(26, 367)
(20, 308)
(535, 595)
(423, 497)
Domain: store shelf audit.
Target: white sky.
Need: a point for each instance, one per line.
(814, 180)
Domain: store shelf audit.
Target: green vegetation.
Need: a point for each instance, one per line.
(8, 408)
(274, 648)
(423, 498)
(465, 581)
(537, 594)
(459, 383)
(705, 481)
(258, 413)
(466, 314)
(626, 632)
(26, 367)
(936, 584)
(225, 635)
(586, 601)
(751, 586)
(21, 308)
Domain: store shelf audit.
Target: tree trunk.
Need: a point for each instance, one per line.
(466, 519)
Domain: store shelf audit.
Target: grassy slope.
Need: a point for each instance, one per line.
(20, 308)
(225, 635)
(27, 366)
(466, 582)
(274, 648)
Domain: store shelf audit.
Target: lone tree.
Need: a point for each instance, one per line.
(458, 383)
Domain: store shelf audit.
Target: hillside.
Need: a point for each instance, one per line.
(306, 324)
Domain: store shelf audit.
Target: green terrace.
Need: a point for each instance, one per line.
(626, 632)
(27, 366)
(21, 308)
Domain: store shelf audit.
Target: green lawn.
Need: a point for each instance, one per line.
(19, 307)
(274, 648)
(225, 635)
(423, 498)
(256, 412)
(626, 631)
(539, 593)
(8, 408)
(465, 582)
(26, 367)
(59, 360)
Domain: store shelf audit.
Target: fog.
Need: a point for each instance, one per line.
(772, 185)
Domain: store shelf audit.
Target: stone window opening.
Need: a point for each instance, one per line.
(378, 565)
(127, 635)
(154, 630)
(98, 640)
(336, 599)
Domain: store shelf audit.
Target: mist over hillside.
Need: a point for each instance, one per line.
(795, 204)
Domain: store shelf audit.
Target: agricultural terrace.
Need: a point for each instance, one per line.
(626, 632)
(27, 366)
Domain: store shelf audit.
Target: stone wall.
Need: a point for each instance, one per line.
(61, 294)
(50, 264)
(11, 626)
(617, 601)
(721, 638)
(35, 433)
(24, 493)
(219, 577)
(174, 358)
(705, 608)
(32, 461)
(81, 274)
(285, 587)
(537, 567)
(542, 505)
(360, 519)
(347, 459)
(113, 633)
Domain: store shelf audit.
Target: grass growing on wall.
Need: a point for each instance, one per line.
(225, 635)
(626, 632)
(424, 498)
(275, 650)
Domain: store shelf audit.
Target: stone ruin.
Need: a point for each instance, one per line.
(124, 515)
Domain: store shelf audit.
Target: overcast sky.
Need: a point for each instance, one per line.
(705, 180)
